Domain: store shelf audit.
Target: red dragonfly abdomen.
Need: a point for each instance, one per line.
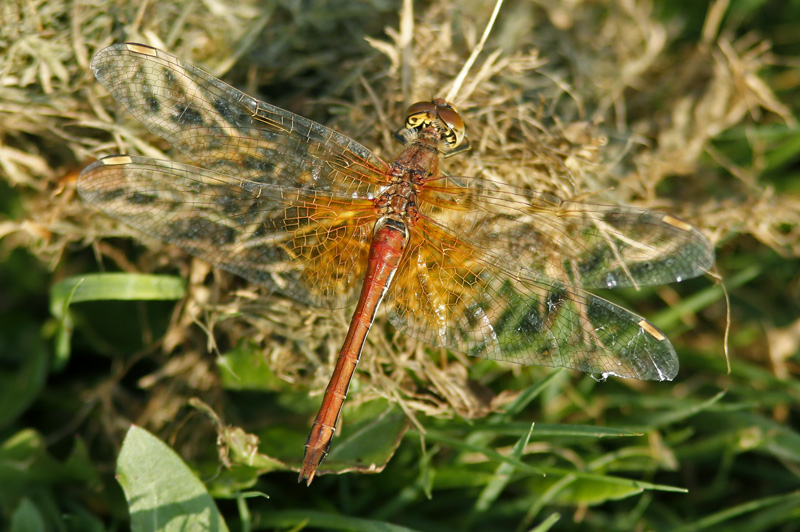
(475, 265)
(388, 244)
(397, 208)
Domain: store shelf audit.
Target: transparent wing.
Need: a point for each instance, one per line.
(451, 295)
(496, 272)
(307, 244)
(491, 270)
(224, 130)
(589, 245)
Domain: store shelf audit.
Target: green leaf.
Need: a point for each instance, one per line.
(27, 518)
(524, 398)
(487, 451)
(115, 286)
(326, 520)
(163, 493)
(680, 414)
(243, 368)
(671, 316)
(552, 430)
(367, 437)
(24, 462)
(20, 385)
(27, 470)
(547, 524)
(712, 521)
(105, 287)
(370, 438)
(595, 489)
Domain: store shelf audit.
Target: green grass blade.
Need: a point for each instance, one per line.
(105, 287)
(502, 477)
(302, 519)
(115, 286)
(709, 522)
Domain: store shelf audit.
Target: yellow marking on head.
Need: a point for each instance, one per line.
(652, 331)
(117, 159)
(676, 222)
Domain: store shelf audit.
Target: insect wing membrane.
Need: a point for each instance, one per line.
(482, 278)
(304, 244)
(223, 129)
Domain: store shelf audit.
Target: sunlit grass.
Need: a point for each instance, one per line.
(482, 446)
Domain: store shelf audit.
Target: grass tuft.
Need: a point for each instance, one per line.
(660, 105)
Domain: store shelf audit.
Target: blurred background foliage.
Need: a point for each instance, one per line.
(679, 105)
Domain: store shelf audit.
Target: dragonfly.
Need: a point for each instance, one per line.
(470, 264)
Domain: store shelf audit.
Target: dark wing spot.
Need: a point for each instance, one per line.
(554, 300)
(531, 322)
(186, 116)
(228, 204)
(234, 115)
(140, 198)
(107, 196)
(262, 165)
(153, 105)
(193, 229)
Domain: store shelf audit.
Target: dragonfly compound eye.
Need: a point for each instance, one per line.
(452, 119)
(449, 122)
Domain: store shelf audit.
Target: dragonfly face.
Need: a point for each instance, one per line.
(473, 265)
(439, 118)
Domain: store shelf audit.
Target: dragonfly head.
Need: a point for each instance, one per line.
(442, 116)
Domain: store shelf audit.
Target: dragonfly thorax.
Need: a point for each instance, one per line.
(399, 202)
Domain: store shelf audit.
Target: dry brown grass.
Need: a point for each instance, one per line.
(595, 99)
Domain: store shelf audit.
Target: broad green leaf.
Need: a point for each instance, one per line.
(163, 493)
(27, 517)
(370, 438)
